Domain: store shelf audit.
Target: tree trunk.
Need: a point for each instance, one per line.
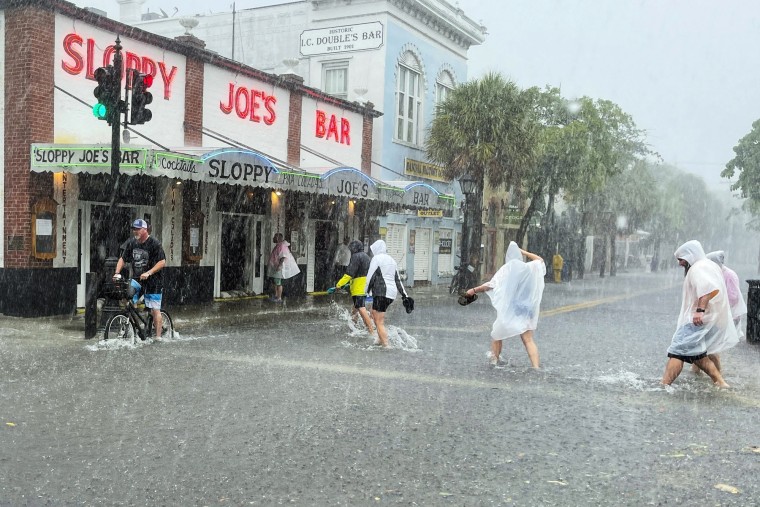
(613, 253)
(525, 222)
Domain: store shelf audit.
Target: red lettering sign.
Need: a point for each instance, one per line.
(326, 129)
(245, 101)
(77, 62)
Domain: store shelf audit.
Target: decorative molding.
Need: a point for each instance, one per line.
(446, 68)
(454, 25)
(411, 49)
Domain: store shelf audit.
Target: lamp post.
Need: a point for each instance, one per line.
(467, 185)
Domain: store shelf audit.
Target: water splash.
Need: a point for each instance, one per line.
(116, 344)
(398, 338)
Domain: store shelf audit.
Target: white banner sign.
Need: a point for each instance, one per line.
(341, 39)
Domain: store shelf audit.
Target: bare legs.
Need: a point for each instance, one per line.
(366, 318)
(528, 343)
(530, 348)
(158, 323)
(674, 366)
(382, 333)
(278, 292)
(715, 358)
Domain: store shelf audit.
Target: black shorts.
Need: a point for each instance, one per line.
(359, 301)
(380, 303)
(687, 359)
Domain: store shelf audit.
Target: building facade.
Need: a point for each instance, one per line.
(402, 56)
(229, 158)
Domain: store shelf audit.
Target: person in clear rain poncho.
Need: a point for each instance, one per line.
(515, 291)
(733, 288)
(705, 326)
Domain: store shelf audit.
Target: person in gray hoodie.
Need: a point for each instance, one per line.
(384, 284)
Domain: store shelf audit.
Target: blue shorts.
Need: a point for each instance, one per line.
(152, 301)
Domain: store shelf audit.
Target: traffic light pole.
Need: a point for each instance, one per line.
(116, 124)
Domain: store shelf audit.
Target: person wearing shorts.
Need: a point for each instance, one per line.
(705, 326)
(147, 258)
(356, 274)
(384, 284)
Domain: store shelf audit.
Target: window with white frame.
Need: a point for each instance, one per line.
(335, 79)
(443, 85)
(408, 99)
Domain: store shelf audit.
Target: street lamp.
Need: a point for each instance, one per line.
(467, 184)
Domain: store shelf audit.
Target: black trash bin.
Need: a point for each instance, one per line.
(753, 311)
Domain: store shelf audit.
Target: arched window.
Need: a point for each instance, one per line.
(408, 98)
(443, 85)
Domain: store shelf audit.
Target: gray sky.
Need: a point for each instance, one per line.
(685, 70)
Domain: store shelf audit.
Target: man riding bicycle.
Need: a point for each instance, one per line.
(147, 257)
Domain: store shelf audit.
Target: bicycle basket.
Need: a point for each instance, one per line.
(117, 289)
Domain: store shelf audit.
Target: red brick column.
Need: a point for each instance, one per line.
(194, 102)
(29, 80)
(294, 122)
(367, 139)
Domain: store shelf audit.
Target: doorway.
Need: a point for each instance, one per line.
(108, 231)
(241, 258)
(325, 246)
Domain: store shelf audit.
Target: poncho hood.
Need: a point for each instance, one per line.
(691, 252)
(718, 257)
(378, 247)
(513, 253)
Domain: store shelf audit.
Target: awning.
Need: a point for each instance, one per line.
(235, 166)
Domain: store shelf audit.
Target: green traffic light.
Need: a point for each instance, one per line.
(99, 110)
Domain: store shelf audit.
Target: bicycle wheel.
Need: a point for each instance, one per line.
(455, 283)
(167, 326)
(119, 327)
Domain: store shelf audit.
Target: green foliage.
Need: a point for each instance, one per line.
(747, 163)
(484, 127)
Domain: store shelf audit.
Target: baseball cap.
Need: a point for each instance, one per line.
(139, 224)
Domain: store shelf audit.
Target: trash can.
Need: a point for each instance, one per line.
(753, 311)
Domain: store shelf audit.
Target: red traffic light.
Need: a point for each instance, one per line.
(148, 80)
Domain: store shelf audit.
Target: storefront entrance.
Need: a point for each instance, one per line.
(325, 246)
(241, 260)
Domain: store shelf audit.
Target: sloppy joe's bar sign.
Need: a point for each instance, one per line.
(84, 55)
(56, 158)
(231, 166)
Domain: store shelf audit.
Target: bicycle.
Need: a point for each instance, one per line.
(130, 322)
(463, 279)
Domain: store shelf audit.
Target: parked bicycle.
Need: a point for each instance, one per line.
(463, 279)
(132, 322)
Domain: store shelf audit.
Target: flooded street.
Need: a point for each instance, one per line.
(297, 406)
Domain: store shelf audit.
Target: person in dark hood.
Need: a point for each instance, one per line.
(356, 273)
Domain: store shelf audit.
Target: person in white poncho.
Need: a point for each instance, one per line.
(705, 326)
(515, 291)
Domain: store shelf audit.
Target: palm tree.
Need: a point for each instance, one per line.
(485, 129)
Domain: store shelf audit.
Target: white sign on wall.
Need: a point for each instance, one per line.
(341, 39)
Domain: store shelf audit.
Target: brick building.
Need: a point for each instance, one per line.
(231, 155)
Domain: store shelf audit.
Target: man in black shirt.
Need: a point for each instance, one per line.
(147, 257)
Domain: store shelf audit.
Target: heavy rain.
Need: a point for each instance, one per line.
(408, 252)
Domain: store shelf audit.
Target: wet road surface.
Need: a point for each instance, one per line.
(297, 407)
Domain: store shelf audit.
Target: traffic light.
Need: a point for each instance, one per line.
(107, 93)
(141, 97)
